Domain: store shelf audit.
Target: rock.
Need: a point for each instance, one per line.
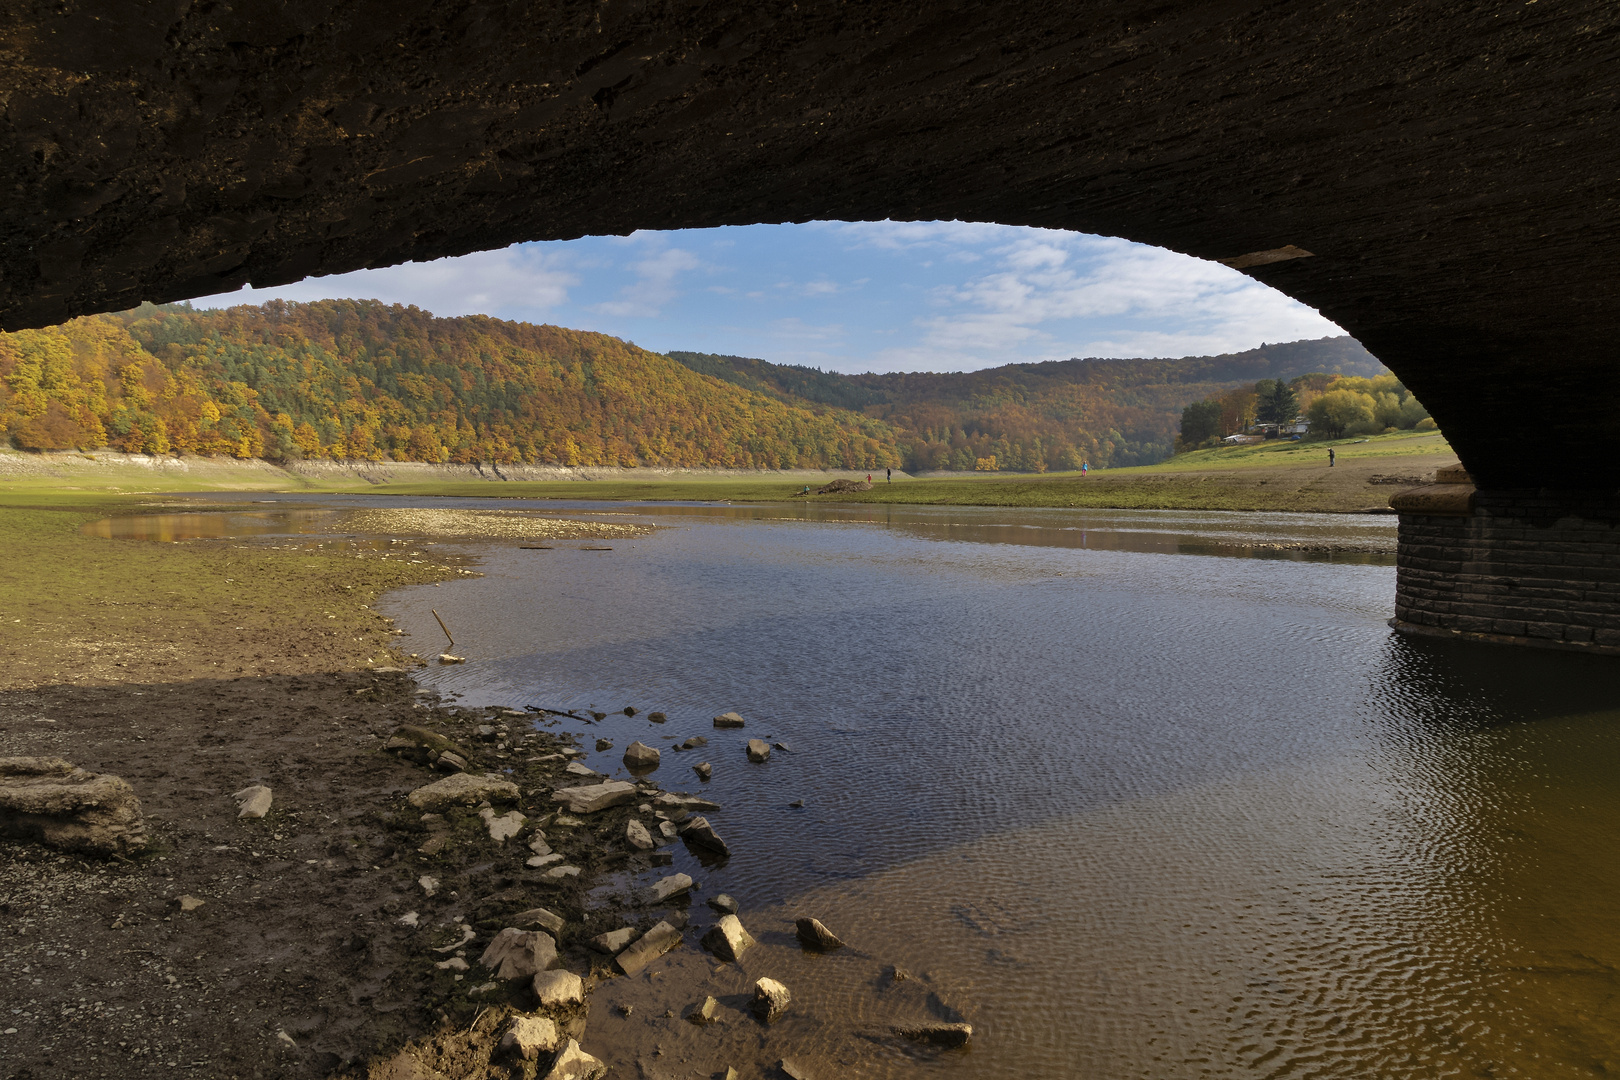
(598, 715)
(724, 903)
(704, 1012)
(485, 732)
(843, 485)
(699, 833)
(816, 937)
(664, 888)
(446, 658)
(730, 719)
(669, 800)
(253, 802)
(793, 1070)
(462, 789)
(594, 797)
(604, 744)
(694, 742)
(797, 804)
(758, 750)
(402, 1066)
(657, 717)
(411, 919)
(503, 827)
(635, 833)
(559, 989)
(784, 747)
(455, 963)
(771, 1000)
(667, 830)
(519, 954)
(539, 845)
(189, 904)
(937, 1033)
(614, 941)
(418, 744)
(535, 862)
(429, 883)
(638, 755)
(545, 920)
(575, 1064)
(53, 802)
(557, 873)
(563, 821)
(527, 1037)
(704, 770)
(731, 1074)
(466, 936)
(647, 948)
(576, 768)
(727, 939)
(630, 710)
(450, 762)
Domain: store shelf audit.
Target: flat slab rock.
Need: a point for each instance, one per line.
(729, 720)
(649, 947)
(937, 1033)
(670, 800)
(55, 803)
(462, 789)
(593, 797)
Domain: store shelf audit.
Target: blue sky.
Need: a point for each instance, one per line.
(852, 296)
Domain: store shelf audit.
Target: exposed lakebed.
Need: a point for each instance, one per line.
(1135, 810)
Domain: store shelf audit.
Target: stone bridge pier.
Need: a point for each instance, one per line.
(1437, 178)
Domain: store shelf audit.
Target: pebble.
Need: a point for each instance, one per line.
(455, 963)
(630, 710)
(793, 1070)
(576, 768)
(528, 1037)
(699, 833)
(604, 744)
(557, 873)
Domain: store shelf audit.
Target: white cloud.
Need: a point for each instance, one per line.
(656, 273)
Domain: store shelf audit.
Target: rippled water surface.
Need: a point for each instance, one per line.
(1134, 810)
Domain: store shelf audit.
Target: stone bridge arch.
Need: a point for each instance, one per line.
(1435, 177)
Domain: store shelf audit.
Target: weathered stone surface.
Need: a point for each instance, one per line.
(519, 954)
(704, 770)
(636, 835)
(527, 1037)
(546, 920)
(572, 1063)
(557, 873)
(670, 800)
(699, 833)
(694, 742)
(463, 789)
(614, 941)
(647, 948)
(790, 1068)
(502, 827)
(723, 903)
(450, 762)
(759, 750)
(535, 862)
(664, 888)
(704, 1012)
(188, 904)
(667, 830)
(253, 802)
(578, 768)
(638, 755)
(727, 939)
(558, 989)
(816, 937)
(730, 720)
(604, 744)
(419, 744)
(656, 717)
(53, 802)
(771, 1000)
(593, 797)
(937, 1032)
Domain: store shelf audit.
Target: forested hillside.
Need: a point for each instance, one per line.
(1035, 417)
(361, 379)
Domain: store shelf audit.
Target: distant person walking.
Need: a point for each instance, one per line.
(1330, 457)
(888, 474)
(868, 478)
(1085, 469)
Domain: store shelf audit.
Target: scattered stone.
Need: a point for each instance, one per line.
(446, 658)
(664, 888)
(484, 988)
(598, 715)
(527, 1037)
(699, 833)
(485, 732)
(572, 751)
(51, 801)
(535, 862)
(727, 939)
(704, 770)
(792, 1070)
(814, 936)
(466, 936)
(731, 1074)
(614, 941)
(797, 804)
(418, 744)
(937, 1033)
(502, 827)
(545, 920)
(649, 947)
(557, 873)
(253, 802)
(429, 883)
(729, 720)
(896, 974)
(539, 845)
(463, 789)
(519, 954)
(635, 833)
(704, 1012)
(411, 919)
(563, 821)
(575, 1064)
(188, 904)
(630, 710)
(724, 904)
(771, 1000)
(694, 742)
(594, 797)
(657, 717)
(758, 750)
(667, 830)
(784, 747)
(669, 800)
(559, 989)
(579, 768)
(455, 963)
(604, 744)
(638, 755)
(450, 762)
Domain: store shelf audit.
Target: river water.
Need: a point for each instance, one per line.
(1138, 794)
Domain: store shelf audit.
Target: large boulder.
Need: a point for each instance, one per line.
(55, 803)
(519, 954)
(594, 797)
(462, 789)
(649, 947)
(727, 939)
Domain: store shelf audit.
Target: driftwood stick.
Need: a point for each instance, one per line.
(445, 628)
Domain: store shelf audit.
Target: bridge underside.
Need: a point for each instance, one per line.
(1449, 169)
